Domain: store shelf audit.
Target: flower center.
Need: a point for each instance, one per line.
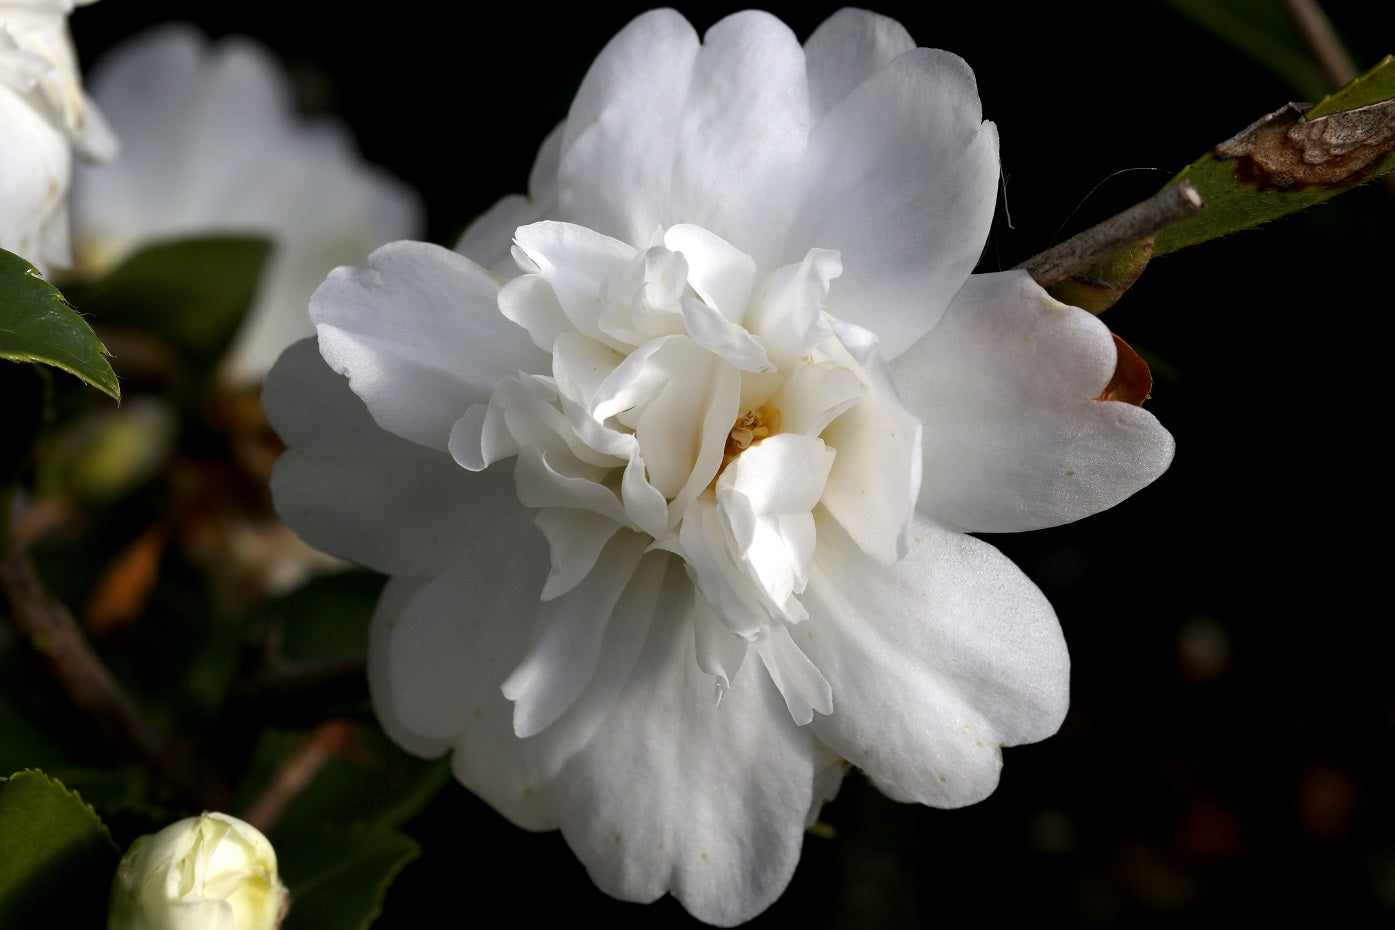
(750, 428)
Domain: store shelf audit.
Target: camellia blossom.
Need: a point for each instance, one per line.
(673, 469)
(43, 116)
(214, 146)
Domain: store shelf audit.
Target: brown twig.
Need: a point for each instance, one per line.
(1115, 234)
(1317, 32)
(55, 635)
(329, 739)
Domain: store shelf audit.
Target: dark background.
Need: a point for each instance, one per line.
(1227, 756)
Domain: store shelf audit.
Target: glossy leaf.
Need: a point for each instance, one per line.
(37, 324)
(1291, 162)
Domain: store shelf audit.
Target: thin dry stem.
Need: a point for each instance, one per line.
(1118, 232)
(55, 636)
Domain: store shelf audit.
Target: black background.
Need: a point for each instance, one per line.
(1227, 755)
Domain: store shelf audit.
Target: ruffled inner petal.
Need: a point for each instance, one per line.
(560, 663)
(418, 335)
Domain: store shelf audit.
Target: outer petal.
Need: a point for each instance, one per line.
(711, 134)
(419, 336)
(679, 793)
(439, 651)
(439, 664)
(362, 494)
(901, 178)
(935, 662)
(741, 140)
(847, 48)
(1014, 439)
(619, 141)
(488, 240)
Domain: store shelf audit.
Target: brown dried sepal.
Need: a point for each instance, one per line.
(1285, 151)
(1132, 382)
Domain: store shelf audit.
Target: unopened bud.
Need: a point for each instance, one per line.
(214, 872)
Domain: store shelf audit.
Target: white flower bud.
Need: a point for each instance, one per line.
(213, 872)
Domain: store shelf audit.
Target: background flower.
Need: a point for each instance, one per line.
(215, 146)
(44, 115)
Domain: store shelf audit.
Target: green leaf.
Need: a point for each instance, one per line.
(56, 857)
(1265, 172)
(190, 293)
(337, 878)
(38, 325)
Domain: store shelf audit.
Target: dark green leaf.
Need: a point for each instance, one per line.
(56, 857)
(1284, 166)
(190, 293)
(337, 878)
(38, 325)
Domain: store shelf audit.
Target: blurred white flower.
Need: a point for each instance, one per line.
(213, 145)
(213, 872)
(756, 403)
(43, 115)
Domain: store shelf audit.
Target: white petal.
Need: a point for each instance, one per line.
(745, 124)
(560, 664)
(877, 474)
(35, 163)
(719, 651)
(787, 311)
(846, 49)
(488, 240)
(515, 775)
(575, 539)
(397, 594)
(437, 662)
(1014, 439)
(901, 178)
(677, 793)
(419, 336)
(355, 491)
(577, 262)
(618, 146)
(721, 274)
(530, 301)
(722, 337)
(710, 559)
(935, 662)
(803, 687)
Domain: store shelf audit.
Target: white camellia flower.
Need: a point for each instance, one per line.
(213, 146)
(213, 872)
(674, 468)
(43, 115)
